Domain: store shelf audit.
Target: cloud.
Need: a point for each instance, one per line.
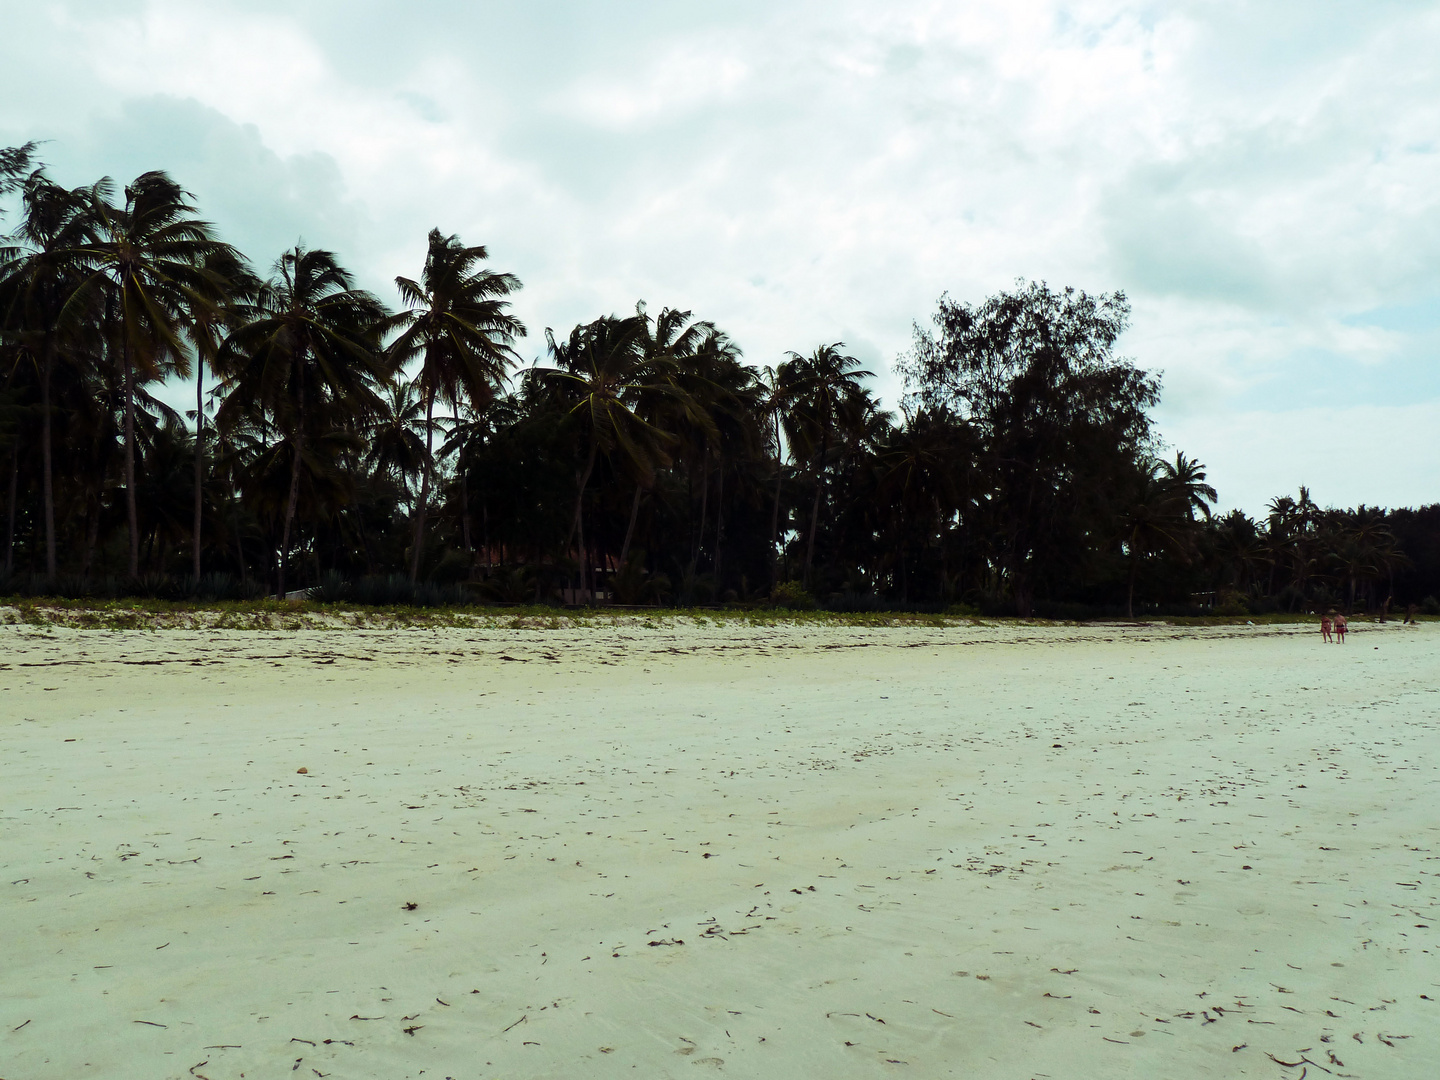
(1374, 454)
(1262, 179)
(263, 202)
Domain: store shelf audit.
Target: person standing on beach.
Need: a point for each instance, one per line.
(1340, 628)
(1325, 627)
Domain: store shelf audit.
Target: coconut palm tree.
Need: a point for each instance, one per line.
(312, 350)
(44, 306)
(774, 400)
(396, 448)
(826, 399)
(603, 370)
(458, 324)
(227, 289)
(1156, 519)
(16, 163)
(1185, 479)
(153, 253)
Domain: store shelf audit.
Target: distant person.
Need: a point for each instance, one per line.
(1410, 610)
(1325, 628)
(1340, 628)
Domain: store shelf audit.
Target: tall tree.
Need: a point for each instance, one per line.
(602, 369)
(826, 399)
(312, 349)
(153, 252)
(221, 303)
(458, 324)
(43, 305)
(1063, 421)
(1157, 518)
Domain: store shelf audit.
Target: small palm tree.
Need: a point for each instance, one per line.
(459, 326)
(312, 350)
(396, 452)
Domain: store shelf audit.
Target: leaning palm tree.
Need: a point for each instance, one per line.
(312, 351)
(459, 327)
(151, 254)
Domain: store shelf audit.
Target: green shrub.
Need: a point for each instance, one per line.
(1430, 606)
(792, 595)
(1231, 603)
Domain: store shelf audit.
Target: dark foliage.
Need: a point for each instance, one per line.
(378, 458)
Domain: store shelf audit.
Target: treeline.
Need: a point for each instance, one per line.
(405, 454)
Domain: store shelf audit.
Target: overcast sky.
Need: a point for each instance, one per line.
(1262, 179)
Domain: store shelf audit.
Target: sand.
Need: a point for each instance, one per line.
(661, 850)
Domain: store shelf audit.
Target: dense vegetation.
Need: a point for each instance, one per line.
(406, 455)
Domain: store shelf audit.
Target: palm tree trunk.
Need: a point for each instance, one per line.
(815, 507)
(1130, 593)
(297, 444)
(10, 510)
(464, 491)
(240, 552)
(290, 505)
(704, 512)
(424, 487)
(719, 515)
(48, 482)
(199, 455)
(775, 525)
(577, 524)
(630, 529)
(92, 535)
(132, 517)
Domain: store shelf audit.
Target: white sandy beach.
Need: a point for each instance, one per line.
(657, 851)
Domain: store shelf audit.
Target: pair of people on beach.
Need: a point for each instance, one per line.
(1329, 620)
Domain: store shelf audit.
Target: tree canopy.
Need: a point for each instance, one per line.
(380, 454)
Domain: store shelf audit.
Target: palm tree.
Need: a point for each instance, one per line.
(1185, 479)
(772, 405)
(1156, 519)
(826, 399)
(604, 370)
(153, 253)
(396, 450)
(43, 303)
(313, 347)
(16, 163)
(227, 288)
(459, 326)
(704, 365)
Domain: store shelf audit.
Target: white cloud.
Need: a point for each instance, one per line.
(1256, 176)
